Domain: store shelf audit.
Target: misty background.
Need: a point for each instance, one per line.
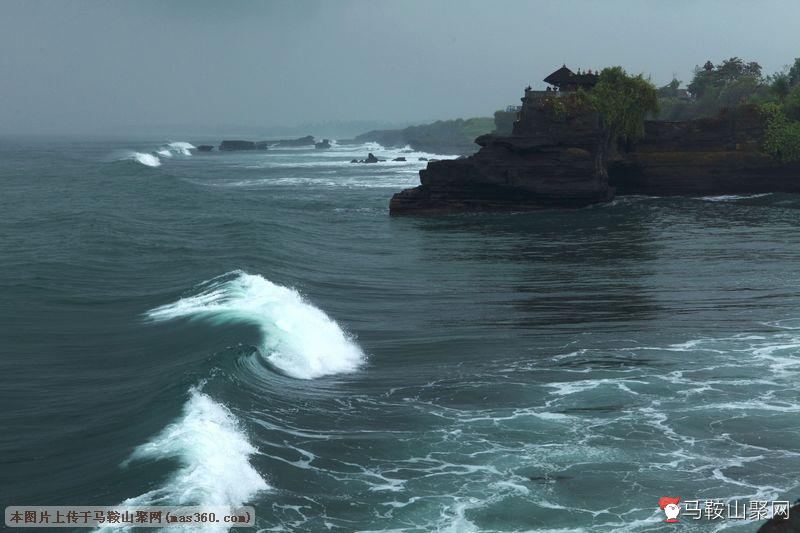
(202, 66)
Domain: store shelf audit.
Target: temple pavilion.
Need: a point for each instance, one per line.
(564, 79)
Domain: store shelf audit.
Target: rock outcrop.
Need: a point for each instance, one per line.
(370, 159)
(543, 164)
(236, 145)
(323, 145)
(561, 162)
(308, 140)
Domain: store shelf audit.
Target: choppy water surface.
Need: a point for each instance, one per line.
(253, 328)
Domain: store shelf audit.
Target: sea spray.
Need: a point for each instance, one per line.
(297, 338)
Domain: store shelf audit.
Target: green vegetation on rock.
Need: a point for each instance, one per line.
(782, 135)
(730, 83)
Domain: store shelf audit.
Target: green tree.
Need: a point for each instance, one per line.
(794, 72)
(791, 104)
(670, 90)
(623, 103)
(730, 83)
(780, 85)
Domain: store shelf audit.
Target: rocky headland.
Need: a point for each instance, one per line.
(441, 137)
(565, 159)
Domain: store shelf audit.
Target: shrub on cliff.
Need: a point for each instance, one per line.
(782, 135)
(560, 108)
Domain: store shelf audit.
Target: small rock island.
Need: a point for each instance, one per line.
(585, 139)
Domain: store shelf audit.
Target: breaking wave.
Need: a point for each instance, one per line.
(148, 160)
(153, 159)
(297, 338)
(213, 454)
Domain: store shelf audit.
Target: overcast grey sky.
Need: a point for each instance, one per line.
(102, 66)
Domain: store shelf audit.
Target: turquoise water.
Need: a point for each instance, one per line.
(253, 328)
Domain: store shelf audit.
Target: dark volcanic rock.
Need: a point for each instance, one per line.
(308, 140)
(370, 159)
(231, 146)
(703, 157)
(399, 159)
(205, 148)
(545, 164)
(782, 525)
(323, 145)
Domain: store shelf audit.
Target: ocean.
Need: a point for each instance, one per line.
(253, 328)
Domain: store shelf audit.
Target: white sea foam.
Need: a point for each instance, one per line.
(145, 159)
(298, 338)
(173, 148)
(213, 455)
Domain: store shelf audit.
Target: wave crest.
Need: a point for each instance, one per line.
(298, 338)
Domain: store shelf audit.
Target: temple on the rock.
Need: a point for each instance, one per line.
(564, 79)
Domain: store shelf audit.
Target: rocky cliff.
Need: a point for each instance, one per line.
(703, 157)
(544, 163)
(559, 161)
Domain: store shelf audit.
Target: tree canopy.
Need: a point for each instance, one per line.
(623, 102)
(731, 71)
(794, 72)
(730, 83)
(670, 90)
